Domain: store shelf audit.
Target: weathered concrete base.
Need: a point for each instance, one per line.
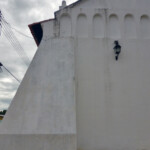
(37, 142)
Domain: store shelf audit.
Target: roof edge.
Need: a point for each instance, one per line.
(69, 6)
(34, 27)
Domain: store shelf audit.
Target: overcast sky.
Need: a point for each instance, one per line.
(19, 14)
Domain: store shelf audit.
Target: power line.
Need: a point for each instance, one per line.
(14, 41)
(21, 33)
(16, 29)
(10, 35)
(12, 26)
(0, 21)
(1, 65)
(15, 45)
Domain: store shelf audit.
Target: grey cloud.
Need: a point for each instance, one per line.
(20, 13)
(7, 101)
(8, 87)
(23, 9)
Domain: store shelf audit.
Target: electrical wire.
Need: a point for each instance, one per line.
(15, 45)
(14, 41)
(21, 33)
(7, 17)
(6, 31)
(10, 33)
(16, 29)
(0, 21)
(1, 65)
(8, 26)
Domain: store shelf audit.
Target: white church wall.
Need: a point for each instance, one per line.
(48, 29)
(112, 96)
(144, 4)
(65, 25)
(37, 142)
(145, 26)
(82, 26)
(52, 59)
(75, 82)
(111, 112)
(129, 26)
(114, 26)
(93, 4)
(32, 121)
(98, 26)
(119, 24)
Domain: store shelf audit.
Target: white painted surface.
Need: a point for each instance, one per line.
(98, 26)
(45, 101)
(129, 23)
(112, 97)
(112, 109)
(42, 114)
(145, 26)
(82, 26)
(65, 26)
(114, 28)
(37, 142)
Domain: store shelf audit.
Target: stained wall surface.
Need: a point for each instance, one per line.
(42, 115)
(112, 96)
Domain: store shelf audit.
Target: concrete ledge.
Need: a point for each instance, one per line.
(37, 142)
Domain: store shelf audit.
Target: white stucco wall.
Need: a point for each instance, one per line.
(42, 115)
(74, 82)
(113, 106)
(112, 96)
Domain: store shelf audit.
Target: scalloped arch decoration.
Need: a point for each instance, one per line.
(98, 26)
(65, 26)
(82, 26)
(145, 26)
(129, 26)
(114, 26)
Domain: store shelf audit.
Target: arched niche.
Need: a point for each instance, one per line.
(145, 26)
(82, 26)
(65, 25)
(98, 26)
(130, 26)
(114, 26)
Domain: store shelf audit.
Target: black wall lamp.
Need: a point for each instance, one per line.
(117, 49)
